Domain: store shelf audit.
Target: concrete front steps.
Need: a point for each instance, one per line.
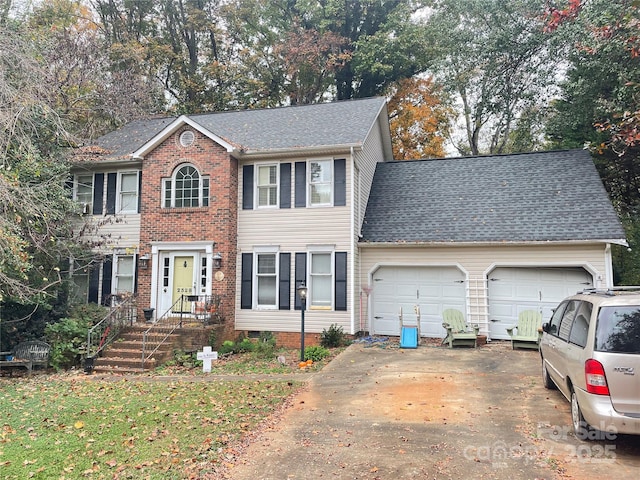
(124, 355)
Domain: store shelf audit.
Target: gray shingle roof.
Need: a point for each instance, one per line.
(325, 124)
(126, 140)
(531, 197)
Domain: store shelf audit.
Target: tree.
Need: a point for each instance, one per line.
(599, 107)
(36, 232)
(497, 63)
(419, 119)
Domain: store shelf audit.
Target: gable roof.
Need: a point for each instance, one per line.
(345, 124)
(530, 197)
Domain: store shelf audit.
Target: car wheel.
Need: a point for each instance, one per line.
(580, 426)
(546, 379)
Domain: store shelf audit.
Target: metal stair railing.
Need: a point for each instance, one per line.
(198, 308)
(103, 333)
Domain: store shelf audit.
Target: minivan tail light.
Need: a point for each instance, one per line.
(595, 377)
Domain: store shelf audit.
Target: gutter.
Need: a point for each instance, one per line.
(403, 244)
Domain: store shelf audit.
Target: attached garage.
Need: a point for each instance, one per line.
(514, 289)
(431, 288)
(510, 233)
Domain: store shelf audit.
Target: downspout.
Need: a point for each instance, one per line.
(353, 241)
(608, 267)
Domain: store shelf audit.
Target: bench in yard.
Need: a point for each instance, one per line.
(26, 355)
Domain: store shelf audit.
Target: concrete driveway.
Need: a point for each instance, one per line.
(380, 412)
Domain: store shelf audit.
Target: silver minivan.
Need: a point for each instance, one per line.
(590, 350)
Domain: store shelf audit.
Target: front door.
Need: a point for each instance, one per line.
(183, 283)
(178, 278)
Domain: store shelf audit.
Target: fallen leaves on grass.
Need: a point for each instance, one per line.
(96, 425)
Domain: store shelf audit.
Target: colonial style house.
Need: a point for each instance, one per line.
(247, 205)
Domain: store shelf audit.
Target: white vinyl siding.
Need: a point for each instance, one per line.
(294, 230)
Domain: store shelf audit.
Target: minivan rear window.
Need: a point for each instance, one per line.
(618, 329)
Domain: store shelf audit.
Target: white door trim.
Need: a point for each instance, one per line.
(159, 248)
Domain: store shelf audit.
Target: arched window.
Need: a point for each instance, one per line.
(186, 188)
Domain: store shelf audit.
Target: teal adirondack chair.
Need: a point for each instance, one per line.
(528, 331)
(459, 333)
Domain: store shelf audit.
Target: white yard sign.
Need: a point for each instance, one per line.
(206, 355)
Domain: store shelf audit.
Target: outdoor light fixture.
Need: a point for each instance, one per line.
(217, 260)
(302, 292)
(144, 262)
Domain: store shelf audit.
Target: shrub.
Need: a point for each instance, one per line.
(334, 337)
(68, 338)
(316, 353)
(266, 346)
(227, 347)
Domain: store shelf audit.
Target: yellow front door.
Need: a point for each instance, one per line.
(183, 283)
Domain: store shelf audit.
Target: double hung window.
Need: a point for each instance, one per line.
(84, 190)
(320, 182)
(128, 192)
(266, 280)
(267, 185)
(124, 274)
(321, 280)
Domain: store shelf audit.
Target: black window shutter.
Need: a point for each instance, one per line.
(246, 300)
(94, 284)
(135, 280)
(107, 269)
(341, 280)
(285, 185)
(301, 276)
(247, 187)
(139, 191)
(284, 292)
(98, 193)
(111, 193)
(339, 182)
(301, 184)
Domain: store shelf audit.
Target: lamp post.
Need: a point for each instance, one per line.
(302, 291)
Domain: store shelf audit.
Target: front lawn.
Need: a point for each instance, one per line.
(69, 427)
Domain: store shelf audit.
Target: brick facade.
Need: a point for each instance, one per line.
(216, 223)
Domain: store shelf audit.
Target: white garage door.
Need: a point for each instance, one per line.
(433, 289)
(512, 290)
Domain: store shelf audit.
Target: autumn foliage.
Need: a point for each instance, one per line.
(419, 120)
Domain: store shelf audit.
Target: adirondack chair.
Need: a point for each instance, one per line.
(527, 333)
(458, 331)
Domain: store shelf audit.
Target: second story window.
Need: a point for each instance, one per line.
(84, 190)
(267, 184)
(128, 192)
(186, 188)
(320, 182)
